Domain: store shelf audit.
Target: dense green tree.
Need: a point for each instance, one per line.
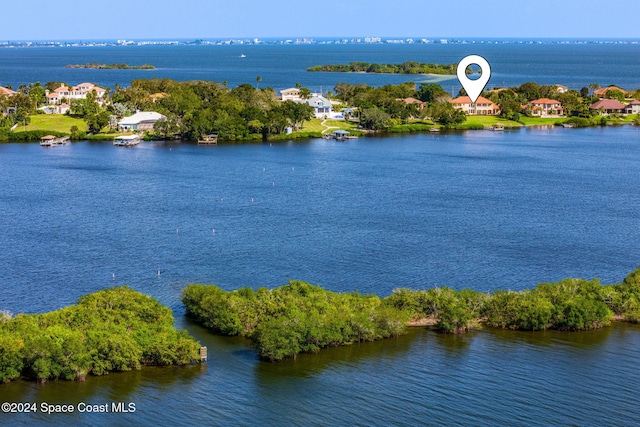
(375, 119)
(430, 92)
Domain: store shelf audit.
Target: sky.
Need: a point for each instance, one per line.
(215, 19)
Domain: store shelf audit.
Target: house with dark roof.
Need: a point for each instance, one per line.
(482, 106)
(608, 106)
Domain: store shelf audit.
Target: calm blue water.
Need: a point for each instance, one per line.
(487, 210)
(281, 66)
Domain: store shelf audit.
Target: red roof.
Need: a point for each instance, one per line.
(6, 91)
(467, 100)
(603, 90)
(607, 104)
(545, 101)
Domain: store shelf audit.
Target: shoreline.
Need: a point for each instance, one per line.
(410, 128)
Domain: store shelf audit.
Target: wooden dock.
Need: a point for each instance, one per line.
(208, 140)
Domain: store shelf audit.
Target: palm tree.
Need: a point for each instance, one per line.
(258, 80)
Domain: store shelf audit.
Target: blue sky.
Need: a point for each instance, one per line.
(170, 19)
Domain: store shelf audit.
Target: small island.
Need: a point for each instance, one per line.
(113, 330)
(404, 68)
(96, 66)
(302, 318)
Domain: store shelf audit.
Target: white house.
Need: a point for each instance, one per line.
(76, 92)
(291, 94)
(482, 106)
(143, 120)
(321, 105)
(545, 107)
(633, 107)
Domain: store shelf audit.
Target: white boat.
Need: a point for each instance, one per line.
(126, 140)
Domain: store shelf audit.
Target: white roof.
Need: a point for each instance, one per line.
(142, 116)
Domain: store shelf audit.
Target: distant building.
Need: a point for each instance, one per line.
(602, 92)
(608, 106)
(76, 92)
(482, 106)
(413, 101)
(562, 89)
(544, 107)
(140, 121)
(291, 94)
(6, 91)
(633, 107)
(154, 97)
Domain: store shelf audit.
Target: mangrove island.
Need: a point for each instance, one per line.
(117, 329)
(302, 318)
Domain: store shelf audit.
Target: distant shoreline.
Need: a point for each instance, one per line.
(96, 66)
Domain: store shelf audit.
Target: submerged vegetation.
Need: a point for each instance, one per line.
(116, 329)
(300, 317)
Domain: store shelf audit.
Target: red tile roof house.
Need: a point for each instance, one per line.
(77, 92)
(545, 107)
(602, 92)
(6, 92)
(608, 106)
(633, 107)
(482, 106)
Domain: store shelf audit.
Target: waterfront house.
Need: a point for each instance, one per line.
(602, 92)
(6, 91)
(70, 93)
(140, 121)
(608, 106)
(544, 107)
(321, 105)
(482, 106)
(633, 107)
(291, 94)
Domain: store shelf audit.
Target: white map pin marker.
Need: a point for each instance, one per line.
(473, 87)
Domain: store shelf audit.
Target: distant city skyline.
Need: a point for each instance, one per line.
(214, 19)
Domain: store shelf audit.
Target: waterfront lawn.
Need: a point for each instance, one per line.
(54, 122)
(475, 122)
(326, 126)
(536, 121)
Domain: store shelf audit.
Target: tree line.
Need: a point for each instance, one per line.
(244, 113)
(410, 67)
(301, 318)
(117, 329)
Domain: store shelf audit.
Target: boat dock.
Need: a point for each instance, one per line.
(52, 141)
(208, 140)
(126, 140)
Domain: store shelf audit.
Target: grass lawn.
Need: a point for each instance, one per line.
(54, 122)
(315, 125)
(528, 121)
(489, 121)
